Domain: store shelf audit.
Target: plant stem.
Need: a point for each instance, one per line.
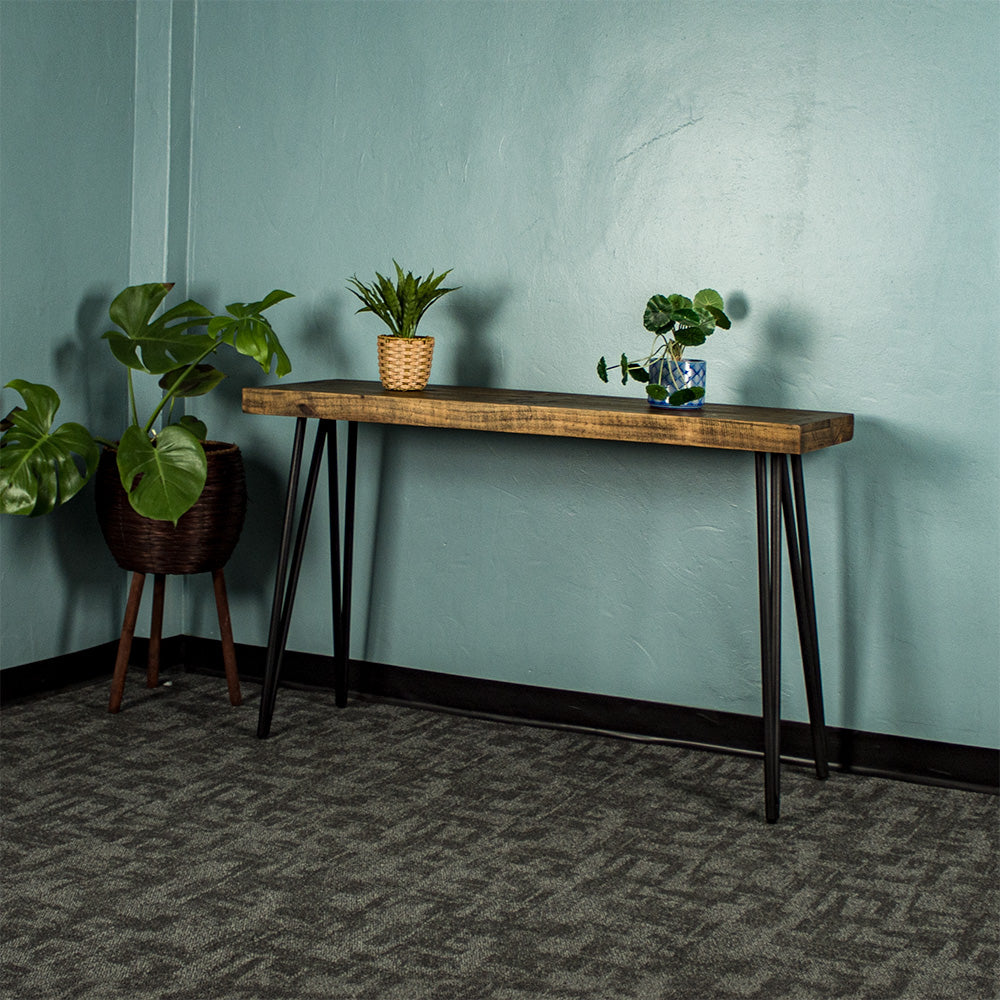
(131, 397)
(169, 397)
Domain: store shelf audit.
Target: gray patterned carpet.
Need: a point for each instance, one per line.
(385, 852)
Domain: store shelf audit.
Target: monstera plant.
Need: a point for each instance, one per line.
(162, 469)
(676, 322)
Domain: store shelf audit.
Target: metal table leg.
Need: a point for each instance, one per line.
(342, 559)
(290, 560)
(769, 586)
(793, 500)
(782, 499)
(287, 577)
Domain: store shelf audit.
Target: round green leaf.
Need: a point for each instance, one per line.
(162, 479)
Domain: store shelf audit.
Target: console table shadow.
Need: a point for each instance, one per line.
(777, 439)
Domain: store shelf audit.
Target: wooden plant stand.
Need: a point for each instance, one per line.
(155, 635)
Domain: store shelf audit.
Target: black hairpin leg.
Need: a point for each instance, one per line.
(287, 577)
(769, 585)
(793, 502)
(342, 560)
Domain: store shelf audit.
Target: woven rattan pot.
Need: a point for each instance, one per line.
(404, 363)
(204, 537)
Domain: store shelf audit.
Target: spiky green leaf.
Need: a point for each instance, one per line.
(400, 306)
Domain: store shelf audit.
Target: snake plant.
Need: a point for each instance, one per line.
(162, 471)
(676, 322)
(402, 305)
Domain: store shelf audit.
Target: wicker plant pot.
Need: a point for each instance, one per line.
(204, 537)
(404, 363)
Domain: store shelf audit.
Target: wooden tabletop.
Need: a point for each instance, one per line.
(557, 414)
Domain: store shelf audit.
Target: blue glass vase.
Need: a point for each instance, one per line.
(675, 376)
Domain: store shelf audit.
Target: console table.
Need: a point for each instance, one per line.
(777, 438)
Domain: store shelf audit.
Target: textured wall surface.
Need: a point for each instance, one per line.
(66, 98)
(829, 168)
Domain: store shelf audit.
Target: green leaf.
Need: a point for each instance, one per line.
(602, 370)
(194, 425)
(687, 317)
(162, 480)
(691, 336)
(638, 372)
(133, 307)
(156, 346)
(409, 302)
(189, 310)
(721, 319)
(623, 364)
(657, 317)
(402, 306)
(272, 298)
(709, 298)
(254, 337)
(392, 305)
(197, 381)
(686, 395)
(39, 467)
(656, 391)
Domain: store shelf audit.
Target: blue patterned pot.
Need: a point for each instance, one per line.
(675, 376)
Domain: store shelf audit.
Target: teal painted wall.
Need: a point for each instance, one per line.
(66, 103)
(830, 168)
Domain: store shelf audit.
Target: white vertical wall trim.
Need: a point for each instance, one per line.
(189, 239)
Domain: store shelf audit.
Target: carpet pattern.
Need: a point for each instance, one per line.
(390, 853)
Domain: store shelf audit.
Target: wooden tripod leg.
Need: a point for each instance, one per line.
(155, 631)
(125, 642)
(226, 634)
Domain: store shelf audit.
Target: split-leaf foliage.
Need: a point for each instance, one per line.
(163, 472)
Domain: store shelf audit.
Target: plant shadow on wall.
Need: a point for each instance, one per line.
(478, 361)
(320, 353)
(771, 380)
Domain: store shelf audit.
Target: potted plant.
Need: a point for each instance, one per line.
(162, 472)
(404, 357)
(676, 322)
(168, 501)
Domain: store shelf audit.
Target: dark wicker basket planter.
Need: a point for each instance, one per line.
(204, 537)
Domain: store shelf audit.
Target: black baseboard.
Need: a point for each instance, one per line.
(59, 672)
(899, 757)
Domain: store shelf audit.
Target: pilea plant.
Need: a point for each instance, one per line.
(162, 471)
(676, 322)
(402, 305)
